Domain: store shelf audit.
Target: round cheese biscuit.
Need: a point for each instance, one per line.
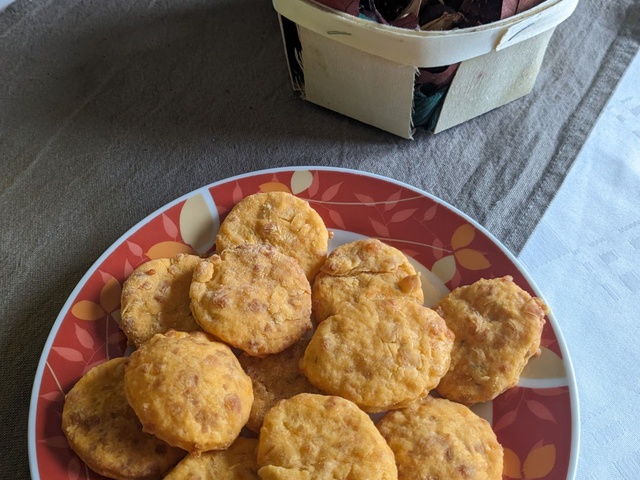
(252, 297)
(322, 438)
(279, 219)
(442, 440)
(365, 268)
(104, 431)
(188, 390)
(238, 462)
(380, 353)
(498, 328)
(155, 298)
(274, 377)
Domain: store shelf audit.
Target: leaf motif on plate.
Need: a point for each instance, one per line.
(540, 411)
(84, 337)
(300, 181)
(392, 201)
(380, 228)
(198, 224)
(74, 468)
(236, 196)
(110, 295)
(505, 420)
(58, 441)
(337, 219)
(315, 185)
(445, 268)
(511, 464)
(135, 249)
(87, 310)
(169, 226)
(331, 192)
(430, 213)
(472, 259)
(52, 396)
(403, 215)
(169, 249)
(366, 199)
(70, 354)
(539, 462)
(463, 236)
(274, 187)
(438, 248)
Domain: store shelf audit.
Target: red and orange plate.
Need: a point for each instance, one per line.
(536, 422)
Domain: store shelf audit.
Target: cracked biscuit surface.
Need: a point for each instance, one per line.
(437, 439)
(252, 297)
(238, 462)
(322, 438)
(155, 298)
(275, 377)
(498, 327)
(382, 353)
(279, 219)
(188, 390)
(365, 268)
(104, 431)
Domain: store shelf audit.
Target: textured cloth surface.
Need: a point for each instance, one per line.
(108, 110)
(585, 257)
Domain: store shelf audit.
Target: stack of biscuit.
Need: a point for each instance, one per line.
(273, 337)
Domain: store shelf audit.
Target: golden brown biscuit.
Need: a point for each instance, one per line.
(498, 328)
(365, 268)
(275, 377)
(188, 390)
(155, 298)
(238, 462)
(252, 297)
(322, 438)
(442, 440)
(104, 431)
(380, 353)
(279, 219)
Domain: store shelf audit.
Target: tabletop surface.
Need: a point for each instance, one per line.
(110, 110)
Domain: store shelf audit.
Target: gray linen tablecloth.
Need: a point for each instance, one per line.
(109, 110)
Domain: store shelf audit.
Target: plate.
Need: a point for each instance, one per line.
(536, 421)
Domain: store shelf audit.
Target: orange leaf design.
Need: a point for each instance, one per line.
(380, 228)
(135, 249)
(110, 295)
(393, 200)
(505, 420)
(331, 192)
(364, 198)
(463, 236)
(540, 461)
(511, 464)
(84, 337)
(70, 354)
(169, 226)
(169, 249)
(336, 218)
(87, 310)
(403, 215)
(237, 193)
(472, 259)
(274, 187)
(315, 185)
(540, 411)
(430, 213)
